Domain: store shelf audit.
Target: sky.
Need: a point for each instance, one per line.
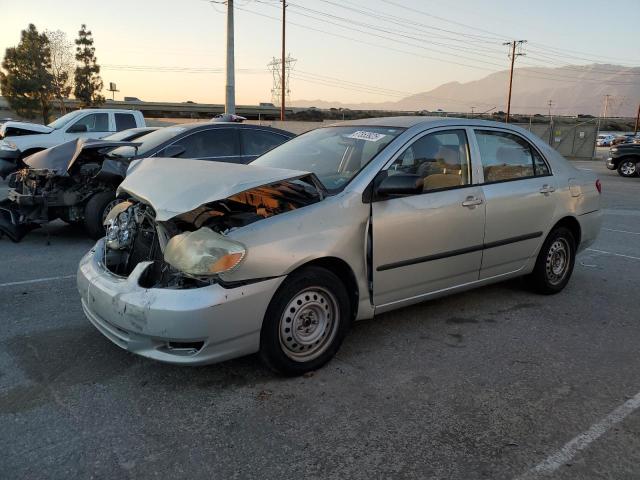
(347, 50)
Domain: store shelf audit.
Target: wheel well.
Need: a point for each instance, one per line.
(342, 269)
(628, 157)
(573, 225)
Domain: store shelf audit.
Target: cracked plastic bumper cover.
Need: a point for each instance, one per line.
(226, 322)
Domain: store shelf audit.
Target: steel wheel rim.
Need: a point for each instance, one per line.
(628, 168)
(558, 261)
(309, 324)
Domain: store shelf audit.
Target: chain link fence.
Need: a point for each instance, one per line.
(571, 141)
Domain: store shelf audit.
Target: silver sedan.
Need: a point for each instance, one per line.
(207, 261)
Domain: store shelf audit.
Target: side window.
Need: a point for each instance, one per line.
(124, 121)
(440, 158)
(540, 166)
(95, 122)
(257, 142)
(506, 156)
(216, 142)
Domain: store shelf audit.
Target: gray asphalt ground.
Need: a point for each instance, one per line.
(481, 385)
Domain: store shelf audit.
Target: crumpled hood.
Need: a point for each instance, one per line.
(61, 157)
(24, 127)
(176, 185)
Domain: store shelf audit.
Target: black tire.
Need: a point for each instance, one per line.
(627, 168)
(547, 278)
(95, 211)
(321, 292)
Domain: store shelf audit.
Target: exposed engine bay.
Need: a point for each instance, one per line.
(134, 236)
(58, 183)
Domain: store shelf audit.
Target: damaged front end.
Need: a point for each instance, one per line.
(192, 249)
(58, 183)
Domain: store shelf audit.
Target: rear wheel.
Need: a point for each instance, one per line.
(305, 322)
(555, 262)
(96, 211)
(627, 168)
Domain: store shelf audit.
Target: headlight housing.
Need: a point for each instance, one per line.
(8, 146)
(119, 226)
(203, 253)
(613, 149)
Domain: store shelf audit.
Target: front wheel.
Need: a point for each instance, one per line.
(96, 211)
(305, 322)
(555, 262)
(627, 168)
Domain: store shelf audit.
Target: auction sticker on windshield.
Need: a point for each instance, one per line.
(368, 136)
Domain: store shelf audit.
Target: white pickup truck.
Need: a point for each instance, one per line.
(18, 140)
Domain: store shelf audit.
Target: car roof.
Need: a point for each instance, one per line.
(412, 121)
(203, 125)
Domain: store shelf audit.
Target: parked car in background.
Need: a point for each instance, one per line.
(77, 180)
(604, 140)
(204, 261)
(624, 158)
(628, 138)
(18, 140)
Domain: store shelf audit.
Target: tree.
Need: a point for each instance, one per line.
(62, 65)
(27, 82)
(88, 83)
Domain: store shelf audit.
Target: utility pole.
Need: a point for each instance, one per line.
(606, 105)
(514, 44)
(284, 63)
(472, 111)
(230, 88)
(551, 136)
(635, 130)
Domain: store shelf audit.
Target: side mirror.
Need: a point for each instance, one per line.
(400, 184)
(173, 151)
(77, 128)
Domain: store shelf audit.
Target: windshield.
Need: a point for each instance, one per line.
(148, 141)
(334, 154)
(63, 120)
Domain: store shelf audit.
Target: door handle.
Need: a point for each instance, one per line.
(471, 202)
(547, 189)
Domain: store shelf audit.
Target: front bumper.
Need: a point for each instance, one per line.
(610, 165)
(189, 327)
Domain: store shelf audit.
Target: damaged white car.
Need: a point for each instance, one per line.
(207, 261)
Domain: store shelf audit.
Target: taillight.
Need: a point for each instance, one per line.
(599, 186)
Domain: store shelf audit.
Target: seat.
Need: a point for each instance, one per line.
(441, 180)
(510, 163)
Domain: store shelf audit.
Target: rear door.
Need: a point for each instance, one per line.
(433, 240)
(255, 142)
(519, 190)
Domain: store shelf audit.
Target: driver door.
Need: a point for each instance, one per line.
(431, 241)
(92, 125)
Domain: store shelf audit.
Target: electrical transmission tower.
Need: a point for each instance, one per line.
(275, 66)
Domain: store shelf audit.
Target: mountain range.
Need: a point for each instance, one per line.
(572, 89)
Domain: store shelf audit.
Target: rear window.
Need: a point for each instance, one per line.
(124, 121)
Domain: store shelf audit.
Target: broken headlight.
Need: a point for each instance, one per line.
(119, 225)
(203, 253)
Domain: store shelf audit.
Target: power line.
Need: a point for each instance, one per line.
(393, 39)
